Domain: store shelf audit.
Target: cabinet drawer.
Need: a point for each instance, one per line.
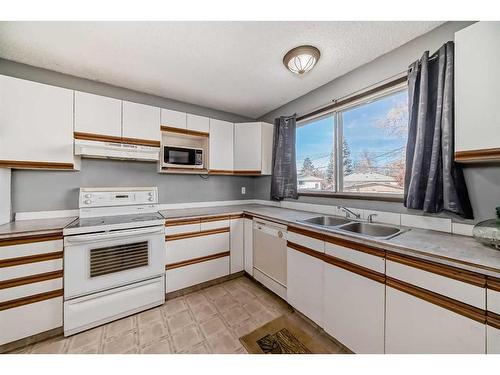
(493, 298)
(27, 290)
(309, 242)
(183, 277)
(493, 340)
(207, 224)
(24, 270)
(182, 228)
(32, 248)
(27, 320)
(359, 258)
(195, 247)
(458, 290)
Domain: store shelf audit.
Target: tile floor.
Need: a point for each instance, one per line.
(206, 321)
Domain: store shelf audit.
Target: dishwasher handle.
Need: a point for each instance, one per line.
(270, 230)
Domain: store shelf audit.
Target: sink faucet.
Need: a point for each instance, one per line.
(370, 217)
(349, 212)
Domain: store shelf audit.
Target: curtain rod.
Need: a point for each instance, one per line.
(356, 95)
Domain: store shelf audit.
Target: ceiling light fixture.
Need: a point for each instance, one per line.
(302, 59)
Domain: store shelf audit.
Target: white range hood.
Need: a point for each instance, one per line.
(109, 150)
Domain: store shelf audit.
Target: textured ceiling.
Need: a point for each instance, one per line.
(231, 66)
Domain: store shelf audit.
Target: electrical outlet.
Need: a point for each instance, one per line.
(243, 190)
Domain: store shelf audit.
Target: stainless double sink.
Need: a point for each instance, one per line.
(354, 227)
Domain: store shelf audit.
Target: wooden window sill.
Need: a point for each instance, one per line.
(367, 197)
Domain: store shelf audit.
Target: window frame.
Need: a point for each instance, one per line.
(336, 113)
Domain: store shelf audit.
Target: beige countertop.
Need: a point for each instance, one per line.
(24, 228)
(445, 248)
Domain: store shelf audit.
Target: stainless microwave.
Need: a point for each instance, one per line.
(182, 157)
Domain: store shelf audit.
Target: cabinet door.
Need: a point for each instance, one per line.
(477, 87)
(267, 148)
(141, 122)
(247, 146)
(221, 145)
(36, 122)
(493, 340)
(414, 325)
(354, 310)
(173, 119)
(305, 284)
(97, 114)
(248, 245)
(237, 252)
(198, 123)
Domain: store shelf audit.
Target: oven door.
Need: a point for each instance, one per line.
(100, 261)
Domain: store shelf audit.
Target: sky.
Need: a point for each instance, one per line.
(361, 132)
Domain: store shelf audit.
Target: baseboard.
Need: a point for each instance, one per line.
(206, 284)
(18, 344)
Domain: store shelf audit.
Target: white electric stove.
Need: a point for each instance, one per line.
(114, 257)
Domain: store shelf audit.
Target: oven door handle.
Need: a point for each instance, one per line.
(113, 235)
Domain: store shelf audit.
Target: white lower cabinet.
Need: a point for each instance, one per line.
(354, 310)
(492, 340)
(236, 244)
(414, 325)
(183, 277)
(248, 245)
(305, 284)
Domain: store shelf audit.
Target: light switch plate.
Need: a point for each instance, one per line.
(243, 190)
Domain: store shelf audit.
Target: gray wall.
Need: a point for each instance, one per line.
(58, 190)
(483, 181)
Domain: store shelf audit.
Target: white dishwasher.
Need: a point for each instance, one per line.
(269, 255)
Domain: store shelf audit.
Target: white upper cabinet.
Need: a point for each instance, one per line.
(221, 145)
(141, 121)
(173, 119)
(97, 114)
(477, 89)
(198, 123)
(253, 147)
(36, 122)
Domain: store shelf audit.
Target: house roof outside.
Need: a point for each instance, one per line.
(368, 177)
(310, 178)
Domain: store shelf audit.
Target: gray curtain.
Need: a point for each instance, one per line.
(433, 181)
(284, 169)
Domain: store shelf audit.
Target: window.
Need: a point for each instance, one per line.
(369, 138)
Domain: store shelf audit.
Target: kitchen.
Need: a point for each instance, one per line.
(141, 218)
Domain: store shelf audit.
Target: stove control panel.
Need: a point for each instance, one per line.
(112, 197)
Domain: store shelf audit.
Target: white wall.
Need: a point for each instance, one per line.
(4, 196)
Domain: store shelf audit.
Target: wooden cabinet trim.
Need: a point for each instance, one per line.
(355, 246)
(189, 262)
(30, 299)
(24, 164)
(487, 154)
(439, 269)
(236, 216)
(493, 283)
(30, 239)
(493, 319)
(114, 139)
(247, 172)
(220, 171)
(140, 142)
(207, 219)
(247, 216)
(181, 236)
(30, 259)
(354, 268)
(305, 250)
(176, 222)
(458, 307)
(31, 279)
(308, 233)
(97, 137)
(165, 128)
